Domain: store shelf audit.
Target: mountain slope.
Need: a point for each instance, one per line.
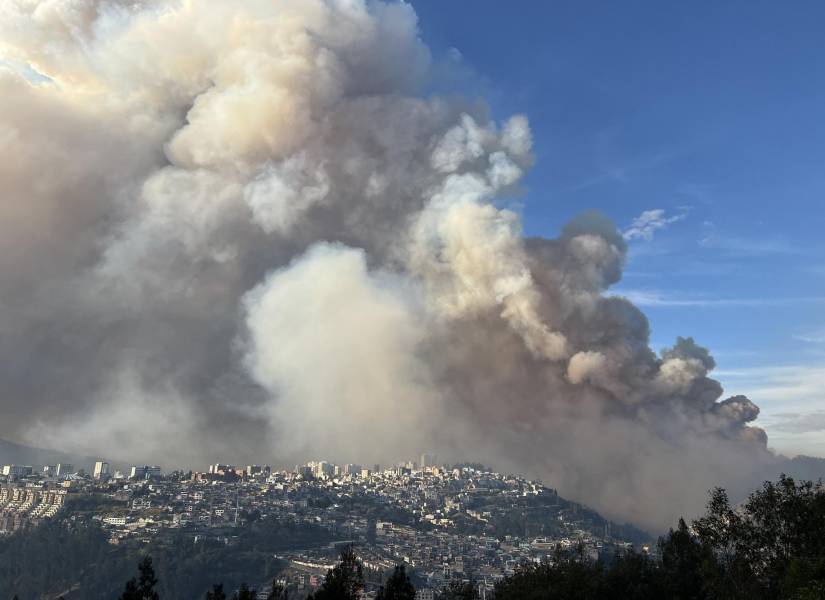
(18, 454)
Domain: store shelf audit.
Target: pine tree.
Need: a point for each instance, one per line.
(345, 581)
(398, 586)
(685, 563)
(142, 588)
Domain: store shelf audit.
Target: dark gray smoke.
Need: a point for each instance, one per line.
(241, 230)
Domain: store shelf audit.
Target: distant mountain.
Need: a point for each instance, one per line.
(801, 467)
(18, 454)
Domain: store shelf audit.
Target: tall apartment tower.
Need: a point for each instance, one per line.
(64, 469)
(428, 460)
(101, 470)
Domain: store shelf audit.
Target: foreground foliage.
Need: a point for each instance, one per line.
(771, 547)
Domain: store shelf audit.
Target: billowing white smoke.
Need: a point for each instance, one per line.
(241, 228)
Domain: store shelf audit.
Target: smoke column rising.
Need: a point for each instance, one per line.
(242, 229)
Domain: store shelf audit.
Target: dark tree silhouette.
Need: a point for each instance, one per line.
(398, 586)
(686, 564)
(344, 581)
(142, 588)
(771, 547)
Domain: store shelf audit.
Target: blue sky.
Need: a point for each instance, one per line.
(711, 114)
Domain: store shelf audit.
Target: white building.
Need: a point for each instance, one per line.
(101, 470)
(145, 472)
(16, 471)
(323, 469)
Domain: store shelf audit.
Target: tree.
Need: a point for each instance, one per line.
(398, 586)
(687, 564)
(768, 547)
(633, 576)
(142, 588)
(565, 579)
(343, 582)
(216, 593)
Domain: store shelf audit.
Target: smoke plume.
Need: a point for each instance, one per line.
(246, 230)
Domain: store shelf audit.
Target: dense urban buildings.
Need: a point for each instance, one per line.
(460, 522)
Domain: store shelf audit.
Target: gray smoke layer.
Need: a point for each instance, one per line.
(241, 230)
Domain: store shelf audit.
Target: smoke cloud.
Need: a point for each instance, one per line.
(244, 230)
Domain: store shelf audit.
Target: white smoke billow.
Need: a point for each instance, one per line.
(242, 229)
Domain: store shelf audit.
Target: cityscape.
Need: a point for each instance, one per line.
(446, 523)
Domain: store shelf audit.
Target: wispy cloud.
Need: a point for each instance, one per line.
(697, 193)
(622, 171)
(791, 398)
(653, 298)
(747, 247)
(799, 422)
(812, 337)
(791, 387)
(650, 221)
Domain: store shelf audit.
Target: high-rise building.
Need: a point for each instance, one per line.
(428, 460)
(145, 472)
(64, 469)
(16, 470)
(101, 470)
(323, 469)
(221, 469)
